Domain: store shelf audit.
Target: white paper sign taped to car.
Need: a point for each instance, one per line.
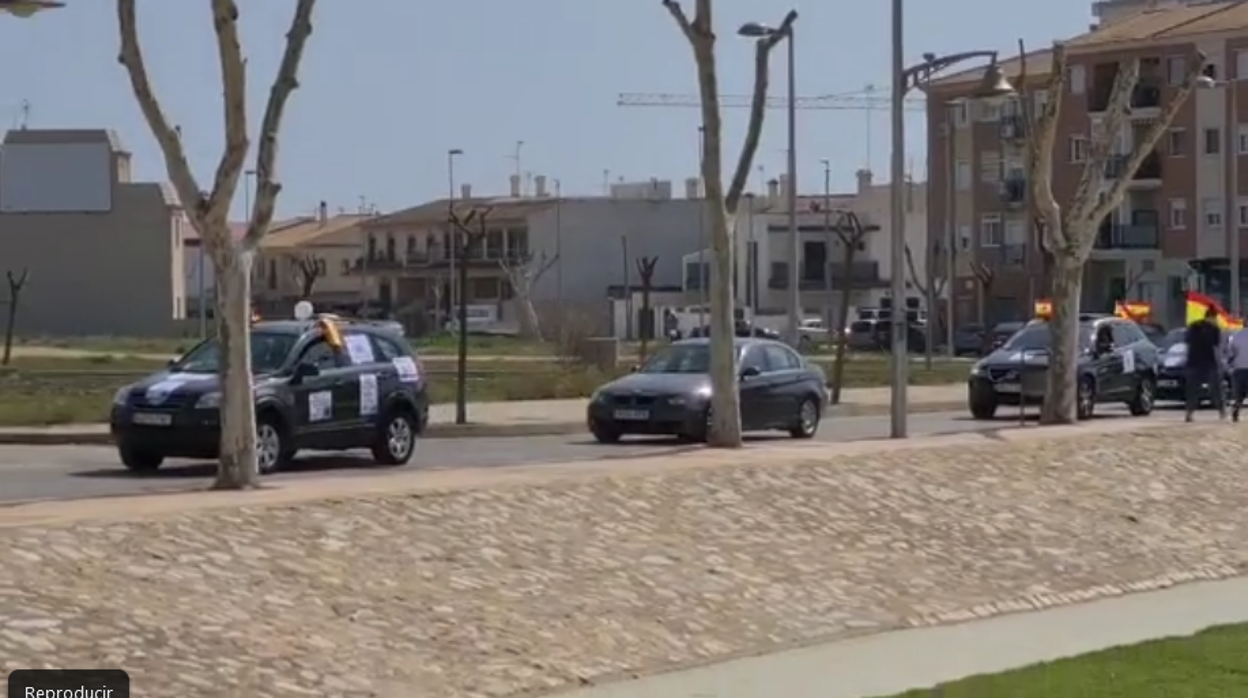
(368, 395)
(408, 373)
(1128, 361)
(360, 349)
(320, 406)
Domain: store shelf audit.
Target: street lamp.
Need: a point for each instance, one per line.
(754, 30)
(1231, 216)
(450, 213)
(994, 85)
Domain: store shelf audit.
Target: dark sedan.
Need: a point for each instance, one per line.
(670, 394)
(1172, 375)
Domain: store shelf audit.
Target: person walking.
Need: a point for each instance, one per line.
(1204, 363)
(1238, 358)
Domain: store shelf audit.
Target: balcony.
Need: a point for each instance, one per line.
(1012, 127)
(1149, 173)
(435, 257)
(1145, 97)
(1138, 236)
(1013, 192)
(858, 275)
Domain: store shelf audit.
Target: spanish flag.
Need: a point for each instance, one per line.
(1198, 304)
(1133, 310)
(330, 329)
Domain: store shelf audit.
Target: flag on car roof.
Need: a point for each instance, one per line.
(1198, 305)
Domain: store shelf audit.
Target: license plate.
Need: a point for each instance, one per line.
(1168, 384)
(1009, 388)
(153, 419)
(632, 415)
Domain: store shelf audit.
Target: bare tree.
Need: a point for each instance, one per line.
(985, 278)
(725, 428)
(523, 274)
(209, 213)
(931, 286)
(1130, 282)
(467, 231)
(1069, 230)
(309, 269)
(851, 233)
(645, 271)
(17, 283)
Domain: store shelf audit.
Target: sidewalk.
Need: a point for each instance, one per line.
(890, 663)
(523, 418)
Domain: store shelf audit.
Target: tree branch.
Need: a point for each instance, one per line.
(758, 108)
(914, 273)
(1102, 138)
(682, 20)
(287, 81)
(131, 57)
(1144, 148)
(1041, 142)
(234, 88)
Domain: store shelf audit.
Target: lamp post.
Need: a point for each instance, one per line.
(453, 240)
(1231, 215)
(993, 86)
(760, 31)
(827, 242)
(703, 277)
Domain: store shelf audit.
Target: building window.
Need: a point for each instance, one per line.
(965, 235)
(1210, 70)
(964, 175)
(1176, 69)
(1077, 79)
(1241, 64)
(1078, 149)
(1176, 142)
(1213, 141)
(1242, 215)
(1212, 211)
(1241, 139)
(1178, 213)
(990, 230)
(960, 119)
(989, 111)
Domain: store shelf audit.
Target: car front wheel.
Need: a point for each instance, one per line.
(807, 420)
(983, 409)
(1085, 398)
(272, 451)
(1141, 404)
(138, 460)
(604, 433)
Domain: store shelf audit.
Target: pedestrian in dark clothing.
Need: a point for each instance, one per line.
(1204, 363)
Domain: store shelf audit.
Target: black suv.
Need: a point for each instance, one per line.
(352, 384)
(1117, 363)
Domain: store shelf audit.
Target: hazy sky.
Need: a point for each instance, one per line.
(389, 85)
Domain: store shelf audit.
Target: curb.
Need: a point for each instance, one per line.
(38, 437)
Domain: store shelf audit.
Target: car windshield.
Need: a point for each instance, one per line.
(680, 358)
(1172, 338)
(268, 353)
(1037, 336)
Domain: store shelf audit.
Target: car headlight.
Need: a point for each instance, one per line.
(700, 395)
(208, 401)
(122, 396)
(598, 396)
(977, 370)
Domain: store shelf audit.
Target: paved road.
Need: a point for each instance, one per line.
(39, 472)
(890, 663)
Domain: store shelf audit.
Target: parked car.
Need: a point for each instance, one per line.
(916, 336)
(671, 393)
(999, 334)
(813, 333)
(742, 329)
(321, 383)
(1117, 364)
(861, 335)
(969, 340)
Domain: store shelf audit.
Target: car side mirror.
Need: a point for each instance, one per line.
(750, 372)
(305, 371)
(171, 363)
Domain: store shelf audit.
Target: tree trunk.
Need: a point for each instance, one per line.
(1067, 286)
(725, 397)
(10, 326)
(838, 362)
(529, 324)
(237, 463)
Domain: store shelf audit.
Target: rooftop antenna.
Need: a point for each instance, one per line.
(25, 115)
(363, 204)
(516, 161)
(869, 91)
(606, 182)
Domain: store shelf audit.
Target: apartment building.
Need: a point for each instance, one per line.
(315, 258)
(1191, 194)
(763, 249)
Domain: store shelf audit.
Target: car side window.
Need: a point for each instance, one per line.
(1126, 334)
(386, 350)
(781, 359)
(320, 354)
(1104, 335)
(754, 358)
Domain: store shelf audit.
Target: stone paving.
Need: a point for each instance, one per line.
(523, 589)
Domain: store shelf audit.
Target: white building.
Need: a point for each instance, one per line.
(763, 249)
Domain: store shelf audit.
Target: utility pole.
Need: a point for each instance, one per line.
(828, 235)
